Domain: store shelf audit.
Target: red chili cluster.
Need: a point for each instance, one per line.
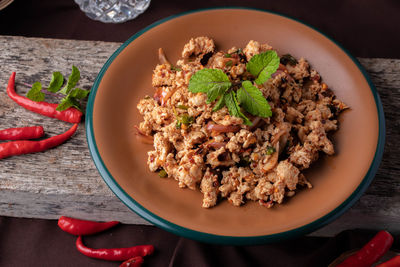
(132, 256)
(20, 143)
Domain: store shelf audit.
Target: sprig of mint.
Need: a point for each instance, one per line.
(56, 82)
(36, 93)
(263, 65)
(216, 84)
(252, 100)
(71, 94)
(232, 104)
(213, 82)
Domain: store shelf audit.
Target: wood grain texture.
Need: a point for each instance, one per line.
(64, 180)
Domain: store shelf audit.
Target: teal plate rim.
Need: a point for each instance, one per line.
(222, 239)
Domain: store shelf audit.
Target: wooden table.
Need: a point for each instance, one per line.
(64, 180)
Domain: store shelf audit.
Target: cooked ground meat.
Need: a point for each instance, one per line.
(215, 152)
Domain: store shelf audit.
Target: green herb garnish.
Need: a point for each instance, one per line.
(36, 93)
(213, 82)
(263, 65)
(72, 81)
(183, 119)
(252, 100)
(56, 82)
(232, 104)
(186, 119)
(270, 150)
(216, 84)
(229, 63)
(72, 94)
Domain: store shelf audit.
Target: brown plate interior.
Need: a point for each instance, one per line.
(128, 79)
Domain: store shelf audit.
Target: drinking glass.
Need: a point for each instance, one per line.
(113, 11)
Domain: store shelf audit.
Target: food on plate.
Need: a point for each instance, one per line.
(241, 124)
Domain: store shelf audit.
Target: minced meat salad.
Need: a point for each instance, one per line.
(241, 124)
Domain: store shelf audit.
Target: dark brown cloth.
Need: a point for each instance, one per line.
(366, 28)
(32, 242)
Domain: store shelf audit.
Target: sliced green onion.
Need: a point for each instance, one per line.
(183, 107)
(162, 173)
(270, 150)
(175, 68)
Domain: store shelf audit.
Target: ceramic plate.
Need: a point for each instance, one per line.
(338, 180)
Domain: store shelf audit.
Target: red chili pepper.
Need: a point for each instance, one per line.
(82, 227)
(371, 252)
(14, 148)
(47, 109)
(393, 262)
(22, 133)
(134, 262)
(114, 254)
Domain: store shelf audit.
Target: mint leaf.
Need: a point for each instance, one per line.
(233, 107)
(78, 93)
(214, 82)
(263, 65)
(36, 93)
(56, 82)
(75, 103)
(68, 102)
(72, 81)
(253, 101)
(220, 104)
(65, 103)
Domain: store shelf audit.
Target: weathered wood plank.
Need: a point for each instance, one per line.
(64, 181)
